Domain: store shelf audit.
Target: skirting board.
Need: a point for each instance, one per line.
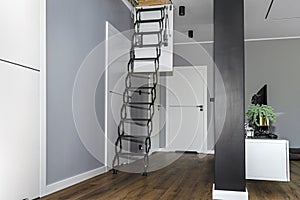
(229, 195)
(212, 152)
(54, 187)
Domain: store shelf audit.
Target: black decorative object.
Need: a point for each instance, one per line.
(181, 10)
(191, 33)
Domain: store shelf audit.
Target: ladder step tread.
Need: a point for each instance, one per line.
(137, 119)
(150, 9)
(145, 76)
(138, 107)
(143, 59)
(135, 136)
(142, 73)
(141, 88)
(140, 103)
(148, 21)
(138, 139)
(131, 154)
(148, 45)
(148, 32)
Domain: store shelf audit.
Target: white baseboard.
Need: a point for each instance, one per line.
(54, 187)
(210, 152)
(229, 195)
(162, 150)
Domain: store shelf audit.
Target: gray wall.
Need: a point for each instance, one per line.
(74, 28)
(277, 63)
(192, 54)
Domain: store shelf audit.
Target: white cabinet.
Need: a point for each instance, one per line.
(20, 31)
(267, 159)
(19, 99)
(19, 132)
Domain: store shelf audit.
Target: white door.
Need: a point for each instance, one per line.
(19, 132)
(187, 109)
(117, 57)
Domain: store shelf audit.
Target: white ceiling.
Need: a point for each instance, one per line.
(283, 20)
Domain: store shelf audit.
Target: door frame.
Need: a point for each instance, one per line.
(204, 69)
(43, 98)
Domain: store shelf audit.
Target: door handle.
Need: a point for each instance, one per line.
(200, 107)
(181, 106)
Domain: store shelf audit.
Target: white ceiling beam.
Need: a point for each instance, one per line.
(128, 4)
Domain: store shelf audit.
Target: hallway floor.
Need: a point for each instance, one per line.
(189, 177)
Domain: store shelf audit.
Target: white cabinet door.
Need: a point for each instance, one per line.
(19, 132)
(186, 119)
(20, 31)
(267, 159)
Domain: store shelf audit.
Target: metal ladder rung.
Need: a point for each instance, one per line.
(140, 76)
(137, 139)
(137, 119)
(140, 103)
(148, 21)
(136, 123)
(140, 92)
(143, 73)
(145, 59)
(131, 154)
(150, 9)
(148, 45)
(141, 88)
(137, 107)
(149, 33)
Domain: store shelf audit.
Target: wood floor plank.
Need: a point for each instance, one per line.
(190, 177)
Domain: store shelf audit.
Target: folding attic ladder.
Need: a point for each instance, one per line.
(147, 92)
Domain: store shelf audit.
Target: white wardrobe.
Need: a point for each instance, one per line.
(19, 99)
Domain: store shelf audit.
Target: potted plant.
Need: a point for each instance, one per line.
(260, 115)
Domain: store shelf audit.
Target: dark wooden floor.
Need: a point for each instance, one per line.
(190, 177)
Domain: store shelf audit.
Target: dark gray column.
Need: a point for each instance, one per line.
(229, 59)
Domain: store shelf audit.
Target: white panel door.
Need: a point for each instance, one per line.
(19, 132)
(20, 31)
(117, 57)
(187, 109)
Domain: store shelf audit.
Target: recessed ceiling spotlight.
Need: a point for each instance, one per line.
(181, 10)
(191, 33)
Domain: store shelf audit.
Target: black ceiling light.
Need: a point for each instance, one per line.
(181, 10)
(191, 33)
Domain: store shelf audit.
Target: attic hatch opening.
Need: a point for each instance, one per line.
(139, 3)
